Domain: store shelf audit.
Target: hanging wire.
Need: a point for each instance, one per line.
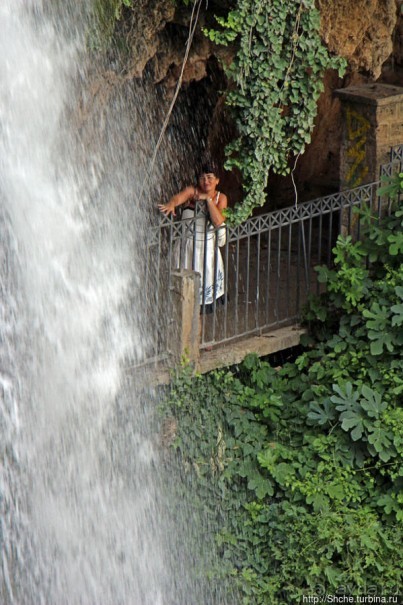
(293, 181)
(192, 28)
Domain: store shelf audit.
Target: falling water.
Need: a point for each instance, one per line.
(80, 513)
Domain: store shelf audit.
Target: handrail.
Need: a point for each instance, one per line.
(268, 261)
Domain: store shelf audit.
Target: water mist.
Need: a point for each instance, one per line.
(81, 519)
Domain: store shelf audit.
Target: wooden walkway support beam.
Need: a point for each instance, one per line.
(184, 329)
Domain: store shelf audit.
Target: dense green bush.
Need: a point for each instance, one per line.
(300, 467)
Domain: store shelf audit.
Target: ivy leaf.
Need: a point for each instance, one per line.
(251, 361)
(335, 491)
(283, 473)
(318, 501)
(262, 486)
(246, 468)
(389, 503)
(274, 67)
(368, 542)
(333, 575)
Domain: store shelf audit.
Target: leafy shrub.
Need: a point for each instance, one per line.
(299, 468)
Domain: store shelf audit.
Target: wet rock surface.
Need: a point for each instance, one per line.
(368, 33)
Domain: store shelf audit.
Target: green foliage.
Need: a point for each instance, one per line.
(299, 469)
(276, 79)
(106, 15)
(392, 186)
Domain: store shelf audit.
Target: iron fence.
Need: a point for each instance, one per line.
(263, 270)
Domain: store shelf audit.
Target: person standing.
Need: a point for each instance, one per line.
(204, 232)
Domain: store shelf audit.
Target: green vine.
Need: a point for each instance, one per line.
(276, 78)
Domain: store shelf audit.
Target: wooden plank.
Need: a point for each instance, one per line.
(224, 356)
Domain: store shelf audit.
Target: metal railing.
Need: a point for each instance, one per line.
(267, 262)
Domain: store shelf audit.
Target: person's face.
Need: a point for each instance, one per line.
(208, 182)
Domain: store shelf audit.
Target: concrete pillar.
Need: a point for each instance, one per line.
(184, 332)
(372, 122)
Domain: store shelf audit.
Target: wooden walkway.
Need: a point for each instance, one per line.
(230, 354)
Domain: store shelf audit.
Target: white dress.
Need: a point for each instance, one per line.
(199, 250)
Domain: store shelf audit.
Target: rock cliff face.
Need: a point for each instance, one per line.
(361, 31)
(368, 33)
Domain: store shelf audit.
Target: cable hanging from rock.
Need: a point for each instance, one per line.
(192, 28)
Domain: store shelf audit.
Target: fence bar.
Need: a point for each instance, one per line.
(226, 287)
(276, 311)
(236, 288)
(205, 244)
(288, 275)
(320, 236)
(247, 283)
(268, 276)
(298, 284)
(304, 254)
(215, 286)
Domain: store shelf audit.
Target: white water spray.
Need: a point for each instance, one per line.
(80, 519)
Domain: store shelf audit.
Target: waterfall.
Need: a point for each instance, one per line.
(81, 517)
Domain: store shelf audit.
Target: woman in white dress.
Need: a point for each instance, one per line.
(203, 224)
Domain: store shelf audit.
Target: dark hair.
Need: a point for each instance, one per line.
(208, 168)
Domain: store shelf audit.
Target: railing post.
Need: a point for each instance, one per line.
(184, 330)
(372, 122)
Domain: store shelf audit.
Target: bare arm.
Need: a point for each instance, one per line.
(216, 215)
(177, 200)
